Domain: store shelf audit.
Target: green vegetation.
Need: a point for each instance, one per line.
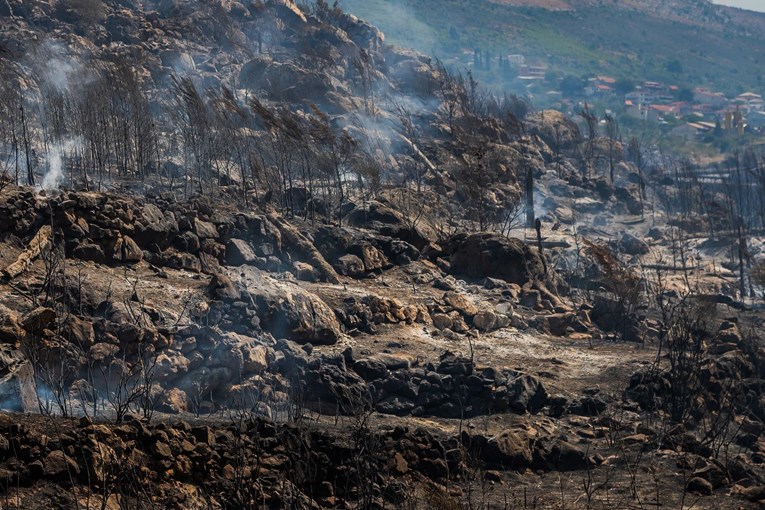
(607, 40)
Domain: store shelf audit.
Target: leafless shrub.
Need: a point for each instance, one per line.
(127, 382)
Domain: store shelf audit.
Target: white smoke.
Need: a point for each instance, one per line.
(399, 21)
(57, 71)
(54, 174)
(57, 67)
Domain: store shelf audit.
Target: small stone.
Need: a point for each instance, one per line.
(162, 449)
(399, 465)
(460, 303)
(485, 321)
(442, 321)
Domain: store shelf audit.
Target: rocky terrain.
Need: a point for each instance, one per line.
(285, 265)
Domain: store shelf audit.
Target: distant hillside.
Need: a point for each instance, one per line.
(686, 42)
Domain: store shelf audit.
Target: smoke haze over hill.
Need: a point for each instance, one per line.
(752, 5)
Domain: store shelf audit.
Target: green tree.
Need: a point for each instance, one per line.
(624, 86)
(674, 66)
(552, 76)
(685, 94)
(571, 85)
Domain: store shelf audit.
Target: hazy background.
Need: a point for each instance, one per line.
(754, 5)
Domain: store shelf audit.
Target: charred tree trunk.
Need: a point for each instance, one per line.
(27, 145)
(529, 188)
(538, 227)
(741, 261)
(39, 242)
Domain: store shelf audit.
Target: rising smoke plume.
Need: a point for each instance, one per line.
(55, 157)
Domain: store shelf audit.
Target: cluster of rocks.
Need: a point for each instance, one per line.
(195, 236)
(190, 236)
(235, 354)
(366, 313)
(568, 196)
(258, 302)
(161, 38)
(454, 388)
(455, 312)
(180, 465)
(358, 253)
(95, 354)
(490, 255)
(400, 385)
(194, 465)
(244, 310)
(19, 211)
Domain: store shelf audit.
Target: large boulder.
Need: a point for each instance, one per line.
(508, 450)
(487, 320)
(557, 130)
(239, 252)
(17, 382)
(630, 198)
(527, 394)
(124, 249)
(558, 324)
(173, 401)
(492, 255)
(286, 81)
(305, 272)
(255, 357)
(559, 454)
(288, 311)
(373, 258)
(185, 261)
(412, 73)
(154, 226)
(460, 303)
(205, 229)
(389, 221)
(11, 331)
(38, 320)
(79, 332)
(60, 467)
(222, 287)
(361, 33)
(251, 73)
(632, 245)
(89, 251)
(350, 265)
